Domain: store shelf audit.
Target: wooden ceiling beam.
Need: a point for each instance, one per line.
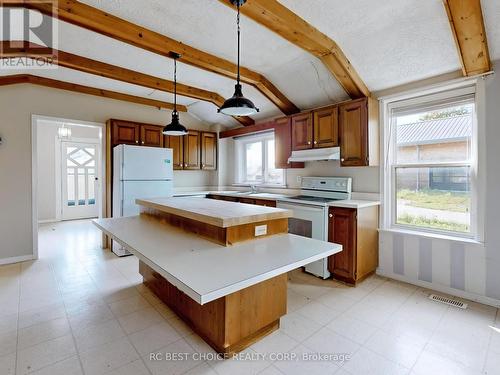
(86, 65)
(278, 18)
(257, 128)
(93, 19)
(68, 86)
(467, 26)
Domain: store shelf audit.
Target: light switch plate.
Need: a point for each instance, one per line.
(260, 230)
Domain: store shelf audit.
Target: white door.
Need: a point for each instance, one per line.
(80, 162)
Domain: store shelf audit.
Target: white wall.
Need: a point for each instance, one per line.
(46, 184)
(471, 270)
(365, 179)
(17, 105)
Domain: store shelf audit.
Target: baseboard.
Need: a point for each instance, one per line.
(21, 258)
(443, 289)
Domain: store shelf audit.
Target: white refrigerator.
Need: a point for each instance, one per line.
(139, 172)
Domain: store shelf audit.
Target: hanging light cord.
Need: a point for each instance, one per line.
(175, 85)
(238, 23)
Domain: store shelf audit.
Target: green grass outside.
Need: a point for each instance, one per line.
(421, 221)
(436, 199)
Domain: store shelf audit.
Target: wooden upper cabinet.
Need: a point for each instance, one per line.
(192, 150)
(151, 135)
(358, 131)
(342, 228)
(302, 131)
(326, 127)
(125, 132)
(208, 151)
(283, 144)
(176, 143)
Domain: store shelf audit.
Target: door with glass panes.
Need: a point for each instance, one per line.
(79, 176)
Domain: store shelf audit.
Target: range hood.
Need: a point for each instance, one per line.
(329, 153)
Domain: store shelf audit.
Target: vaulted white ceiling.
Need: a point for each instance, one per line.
(388, 42)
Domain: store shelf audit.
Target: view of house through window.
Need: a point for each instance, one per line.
(255, 161)
(432, 165)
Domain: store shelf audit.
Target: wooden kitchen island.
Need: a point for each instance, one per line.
(221, 266)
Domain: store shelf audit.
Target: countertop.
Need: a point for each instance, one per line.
(215, 212)
(348, 203)
(206, 271)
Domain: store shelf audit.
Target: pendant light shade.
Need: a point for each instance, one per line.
(238, 105)
(175, 128)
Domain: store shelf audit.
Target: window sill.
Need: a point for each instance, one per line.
(433, 235)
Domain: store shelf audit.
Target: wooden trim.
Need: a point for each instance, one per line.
(93, 19)
(86, 65)
(287, 24)
(263, 126)
(467, 26)
(49, 82)
(231, 323)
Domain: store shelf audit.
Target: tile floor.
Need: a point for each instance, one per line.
(81, 310)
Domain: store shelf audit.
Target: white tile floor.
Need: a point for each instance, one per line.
(80, 309)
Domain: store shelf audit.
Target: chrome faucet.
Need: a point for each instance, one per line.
(254, 189)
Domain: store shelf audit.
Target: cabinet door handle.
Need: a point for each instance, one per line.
(330, 215)
(315, 142)
(342, 160)
(142, 142)
(136, 141)
(309, 142)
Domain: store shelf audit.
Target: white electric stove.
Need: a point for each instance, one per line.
(310, 211)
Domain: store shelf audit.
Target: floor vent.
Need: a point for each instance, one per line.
(448, 301)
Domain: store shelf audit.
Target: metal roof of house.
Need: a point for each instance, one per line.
(435, 131)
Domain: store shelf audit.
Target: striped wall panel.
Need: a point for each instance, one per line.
(454, 265)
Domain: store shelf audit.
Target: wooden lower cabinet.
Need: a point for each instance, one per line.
(259, 202)
(357, 231)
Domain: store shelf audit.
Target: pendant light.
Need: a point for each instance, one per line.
(175, 128)
(238, 105)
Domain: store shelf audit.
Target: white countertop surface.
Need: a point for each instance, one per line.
(206, 271)
(354, 203)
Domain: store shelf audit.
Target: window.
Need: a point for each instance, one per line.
(255, 161)
(431, 161)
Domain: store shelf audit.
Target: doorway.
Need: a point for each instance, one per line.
(67, 168)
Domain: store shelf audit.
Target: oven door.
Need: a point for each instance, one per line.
(309, 221)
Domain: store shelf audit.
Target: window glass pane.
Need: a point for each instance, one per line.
(442, 135)
(274, 176)
(253, 154)
(91, 185)
(435, 198)
(71, 187)
(81, 189)
(81, 157)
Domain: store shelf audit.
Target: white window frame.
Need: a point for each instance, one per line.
(240, 160)
(388, 175)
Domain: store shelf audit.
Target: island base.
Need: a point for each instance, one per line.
(231, 323)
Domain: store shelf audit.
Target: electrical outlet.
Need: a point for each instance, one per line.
(299, 179)
(260, 230)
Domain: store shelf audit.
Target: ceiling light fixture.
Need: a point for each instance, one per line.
(175, 128)
(63, 132)
(238, 105)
